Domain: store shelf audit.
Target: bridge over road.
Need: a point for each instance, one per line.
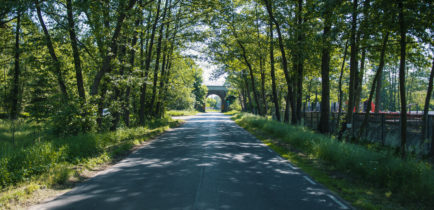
(222, 92)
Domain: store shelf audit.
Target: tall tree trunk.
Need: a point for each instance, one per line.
(249, 66)
(403, 43)
(76, 53)
(378, 105)
(325, 70)
(17, 73)
(157, 60)
(272, 72)
(340, 86)
(50, 47)
(261, 63)
(282, 51)
(300, 61)
(426, 108)
(252, 78)
(167, 62)
(374, 83)
(126, 103)
(264, 97)
(246, 83)
(362, 33)
(359, 79)
(117, 91)
(288, 106)
(106, 64)
(353, 70)
(147, 65)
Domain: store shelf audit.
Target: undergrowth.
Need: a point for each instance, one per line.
(51, 161)
(408, 179)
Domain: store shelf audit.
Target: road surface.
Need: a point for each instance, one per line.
(208, 163)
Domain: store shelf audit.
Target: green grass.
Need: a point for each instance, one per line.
(367, 178)
(232, 112)
(181, 112)
(53, 161)
(213, 110)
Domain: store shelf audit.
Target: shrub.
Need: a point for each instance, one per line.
(72, 119)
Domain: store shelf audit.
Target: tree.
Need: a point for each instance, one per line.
(49, 43)
(426, 107)
(323, 125)
(17, 72)
(76, 54)
(199, 92)
(272, 73)
(284, 61)
(403, 44)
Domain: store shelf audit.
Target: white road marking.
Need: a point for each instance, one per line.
(338, 202)
(309, 180)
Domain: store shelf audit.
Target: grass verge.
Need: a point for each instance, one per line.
(58, 163)
(368, 179)
(181, 112)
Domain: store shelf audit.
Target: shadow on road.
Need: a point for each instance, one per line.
(208, 163)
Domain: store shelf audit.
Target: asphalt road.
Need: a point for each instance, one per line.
(208, 163)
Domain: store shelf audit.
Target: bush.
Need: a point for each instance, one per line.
(72, 119)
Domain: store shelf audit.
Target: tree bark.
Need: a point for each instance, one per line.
(53, 55)
(147, 65)
(76, 53)
(374, 83)
(246, 81)
(261, 64)
(378, 105)
(426, 109)
(325, 70)
(17, 73)
(300, 63)
(252, 77)
(273, 74)
(353, 70)
(402, 32)
(359, 80)
(157, 60)
(340, 86)
(282, 51)
(264, 96)
(167, 63)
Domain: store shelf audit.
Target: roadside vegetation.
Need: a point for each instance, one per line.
(39, 161)
(369, 178)
(175, 113)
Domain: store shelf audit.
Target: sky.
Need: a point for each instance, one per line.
(195, 50)
(208, 68)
